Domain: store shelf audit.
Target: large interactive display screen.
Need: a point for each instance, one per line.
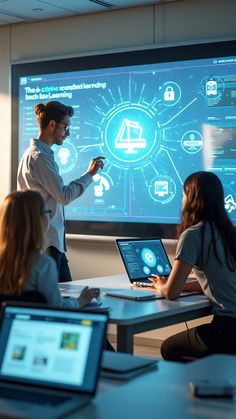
(157, 115)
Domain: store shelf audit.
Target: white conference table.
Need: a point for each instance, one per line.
(164, 393)
(132, 317)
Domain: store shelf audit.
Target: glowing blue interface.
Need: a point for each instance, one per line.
(154, 123)
(143, 258)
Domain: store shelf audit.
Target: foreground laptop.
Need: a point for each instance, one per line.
(143, 257)
(49, 360)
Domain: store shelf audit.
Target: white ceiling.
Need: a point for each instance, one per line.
(19, 11)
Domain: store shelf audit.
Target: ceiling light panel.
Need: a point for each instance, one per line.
(26, 9)
(76, 6)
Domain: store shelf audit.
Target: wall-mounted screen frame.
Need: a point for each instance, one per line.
(156, 114)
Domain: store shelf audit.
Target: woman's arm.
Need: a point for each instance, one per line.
(175, 282)
(192, 286)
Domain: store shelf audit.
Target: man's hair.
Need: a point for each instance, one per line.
(21, 238)
(53, 110)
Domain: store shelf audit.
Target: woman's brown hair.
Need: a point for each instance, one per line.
(204, 202)
(21, 238)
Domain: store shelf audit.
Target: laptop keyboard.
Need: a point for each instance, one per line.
(32, 396)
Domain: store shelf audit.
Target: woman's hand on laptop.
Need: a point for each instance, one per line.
(157, 282)
(87, 294)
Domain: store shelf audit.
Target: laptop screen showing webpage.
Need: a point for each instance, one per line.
(53, 348)
(143, 257)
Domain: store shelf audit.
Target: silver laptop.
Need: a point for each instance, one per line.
(143, 257)
(49, 360)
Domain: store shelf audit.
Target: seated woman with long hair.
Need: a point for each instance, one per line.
(23, 265)
(206, 244)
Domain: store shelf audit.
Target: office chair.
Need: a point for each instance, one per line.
(27, 296)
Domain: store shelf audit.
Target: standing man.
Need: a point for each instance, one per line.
(38, 170)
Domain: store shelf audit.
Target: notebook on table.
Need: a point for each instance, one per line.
(122, 366)
(49, 360)
(136, 295)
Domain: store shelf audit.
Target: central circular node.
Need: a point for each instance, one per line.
(130, 133)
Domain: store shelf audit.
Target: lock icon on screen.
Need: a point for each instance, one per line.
(169, 93)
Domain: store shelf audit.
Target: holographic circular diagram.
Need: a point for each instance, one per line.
(162, 189)
(130, 133)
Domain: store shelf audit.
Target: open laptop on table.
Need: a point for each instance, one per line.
(141, 258)
(49, 360)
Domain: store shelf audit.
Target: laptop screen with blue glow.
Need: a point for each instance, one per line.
(143, 257)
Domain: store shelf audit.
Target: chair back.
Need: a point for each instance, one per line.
(27, 296)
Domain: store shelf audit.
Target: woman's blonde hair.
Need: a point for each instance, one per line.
(21, 238)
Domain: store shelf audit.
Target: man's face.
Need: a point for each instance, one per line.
(61, 131)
